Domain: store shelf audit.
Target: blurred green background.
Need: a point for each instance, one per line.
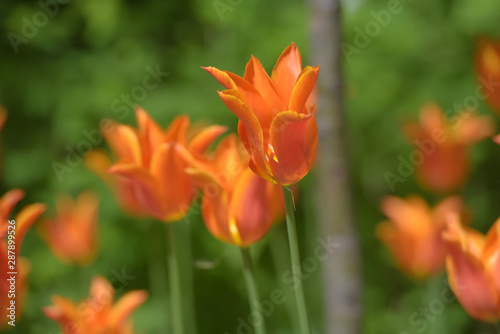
(76, 68)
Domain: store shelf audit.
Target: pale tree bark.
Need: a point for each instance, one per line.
(342, 278)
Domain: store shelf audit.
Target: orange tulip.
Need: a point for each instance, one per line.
(71, 234)
(96, 314)
(473, 265)
(3, 118)
(150, 168)
(413, 233)
(444, 163)
(276, 120)
(488, 70)
(11, 238)
(238, 206)
(99, 162)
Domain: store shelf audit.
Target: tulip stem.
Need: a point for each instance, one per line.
(174, 281)
(295, 257)
(253, 292)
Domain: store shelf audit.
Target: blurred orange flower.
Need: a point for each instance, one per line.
(96, 314)
(150, 171)
(488, 69)
(413, 233)
(71, 235)
(12, 233)
(473, 265)
(99, 162)
(3, 118)
(276, 118)
(238, 206)
(444, 163)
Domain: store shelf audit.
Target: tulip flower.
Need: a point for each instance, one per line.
(473, 266)
(12, 233)
(3, 118)
(151, 171)
(276, 118)
(413, 233)
(97, 314)
(443, 163)
(123, 188)
(71, 235)
(149, 176)
(238, 206)
(488, 70)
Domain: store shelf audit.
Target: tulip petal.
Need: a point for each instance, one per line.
(221, 76)
(3, 116)
(176, 189)
(488, 69)
(249, 207)
(474, 128)
(255, 145)
(471, 284)
(293, 138)
(303, 89)
(64, 310)
(215, 210)
(150, 134)
(258, 169)
(177, 131)
(432, 118)
(249, 94)
(98, 162)
(124, 142)
(403, 247)
(255, 101)
(450, 205)
(228, 158)
(256, 75)
(491, 253)
(200, 142)
(468, 277)
(287, 70)
(7, 203)
(227, 163)
(145, 187)
(101, 294)
(24, 219)
(411, 216)
(124, 307)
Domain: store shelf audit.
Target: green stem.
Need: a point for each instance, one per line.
(497, 327)
(281, 258)
(295, 256)
(174, 281)
(253, 293)
(434, 287)
(184, 249)
(157, 273)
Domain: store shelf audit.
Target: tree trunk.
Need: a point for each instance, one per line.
(341, 271)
